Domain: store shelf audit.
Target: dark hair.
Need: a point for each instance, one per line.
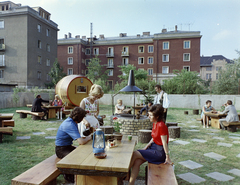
(158, 86)
(229, 102)
(158, 112)
(208, 101)
(38, 96)
(78, 114)
(150, 102)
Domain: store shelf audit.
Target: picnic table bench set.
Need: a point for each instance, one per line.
(6, 124)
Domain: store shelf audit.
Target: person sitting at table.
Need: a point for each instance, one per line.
(58, 102)
(37, 106)
(91, 105)
(207, 108)
(232, 114)
(156, 151)
(146, 107)
(119, 107)
(67, 132)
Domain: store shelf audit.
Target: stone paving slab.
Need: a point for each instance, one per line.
(189, 121)
(171, 139)
(191, 178)
(199, 140)
(234, 137)
(38, 133)
(48, 129)
(50, 137)
(220, 176)
(234, 134)
(224, 144)
(215, 156)
(236, 142)
(181, 142)
(193, 130)
(212, 134)
(220, 138)
(238, 155)
(235, 171)
(181, 124)
(23, 137)
(190, 164)
(213, 130)
(193, 126)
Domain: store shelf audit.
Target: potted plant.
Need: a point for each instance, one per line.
(117, 126)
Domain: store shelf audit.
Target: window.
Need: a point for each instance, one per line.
(1, 24)
(70, 49)
(165, 57)
(48, 62)
(150, 71)
(1, 73)
(110, 62)
(187, 68)
(70, 71)
(110, 72)
(39, 75)
(48, 47)
(140, 49)
(150, 60)
(150, 49)
(87, 62)
(208, 76)
(2, 60)
(110, 51)
(218, 68)
(140, 60)
(96, 51)
(39, 44)
(110, 84)
(187, 44)
(165, 45)
(39, 27)
(87, 51)
(125, 61)
(70, 60)
(39, 59)
(165, 69)
(47, 32)
(2, 8)
(216, 76)
(48, 77)
(86, 71)
(125, 50)
(186, 56)
(208, 68)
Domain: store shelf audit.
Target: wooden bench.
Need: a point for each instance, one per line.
(35, 115)
(43, 173)
(8, 123)
(161, 174)
(232, 126)
(200, 119)
(65, 112)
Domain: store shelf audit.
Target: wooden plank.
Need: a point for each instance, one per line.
(6, 130)
(8, 123)
(40, 114)
(215, 122)
(162, 174)
(41, 174)
(95, 180)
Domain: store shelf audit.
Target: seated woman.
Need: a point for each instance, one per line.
(119, 107)
(91, 105)
(207, 108)
(58, 102)
(67, 132)
(156, 151)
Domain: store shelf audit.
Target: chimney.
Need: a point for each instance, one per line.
(77, 36)
(65, 36)
(69, 35)
(175, 28)
(101, 36)
(146, 33)
(138, 35)
(84, 37)
(164, 30)
(122, 34)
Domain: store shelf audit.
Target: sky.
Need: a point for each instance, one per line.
(217, 20)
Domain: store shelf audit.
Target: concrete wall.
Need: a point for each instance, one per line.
(177, 100)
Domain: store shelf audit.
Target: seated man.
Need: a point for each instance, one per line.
(37, 106)
(146, 108)
(232, 114)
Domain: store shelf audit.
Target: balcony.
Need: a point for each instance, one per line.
(2, 47)
(110, 55)
(125, 54)
(110, 66)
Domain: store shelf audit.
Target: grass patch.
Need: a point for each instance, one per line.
(18, 156)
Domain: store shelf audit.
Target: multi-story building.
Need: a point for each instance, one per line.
(160, 54)
(210, 66)
(28, 44)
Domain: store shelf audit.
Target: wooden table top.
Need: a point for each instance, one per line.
(52, 106)
(117, 160)
(6, 116)
(215, 115)
(138, 107)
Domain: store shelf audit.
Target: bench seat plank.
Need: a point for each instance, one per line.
(41, 174)
(235, 123)
(162, 174)
(8, 123)
(6, 130)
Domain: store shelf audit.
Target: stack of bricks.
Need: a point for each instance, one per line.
(132, 126)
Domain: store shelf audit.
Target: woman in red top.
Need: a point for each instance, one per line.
(156, 151)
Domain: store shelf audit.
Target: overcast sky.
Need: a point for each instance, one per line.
(217, 20)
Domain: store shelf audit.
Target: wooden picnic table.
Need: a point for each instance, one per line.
(138, 108)
(52, 110)
(90, 170)
(4, 116)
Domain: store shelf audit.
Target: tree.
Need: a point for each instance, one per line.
(138, 74)
(96, 71)
(56, 73)
(185, 82)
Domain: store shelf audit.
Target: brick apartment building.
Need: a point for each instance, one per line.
(159, 54)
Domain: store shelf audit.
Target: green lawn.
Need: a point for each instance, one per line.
(19, 155)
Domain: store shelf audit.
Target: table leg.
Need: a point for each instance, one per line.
(215, 122)
(51, 113)
(96, 180)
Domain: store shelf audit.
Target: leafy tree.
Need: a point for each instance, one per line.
(185, 82)
(96, 71)
(138, 74)
(56, 73)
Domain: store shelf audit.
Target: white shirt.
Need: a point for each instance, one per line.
(166, 101)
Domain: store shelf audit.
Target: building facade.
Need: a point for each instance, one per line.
(210, 66)
(160, 54)
(28, 45)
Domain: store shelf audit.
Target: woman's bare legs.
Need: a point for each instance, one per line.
(204, 121)
(207, 121)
